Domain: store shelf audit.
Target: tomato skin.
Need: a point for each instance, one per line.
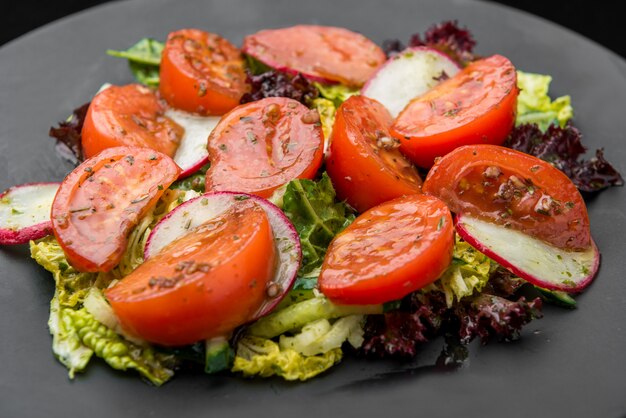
(202, 285)
(321, 53)
(389, 251)
(364, 170)
(259, 146)
(201, 72)
(129, 115)
(102, 199)
(476, 106)
(513, 189)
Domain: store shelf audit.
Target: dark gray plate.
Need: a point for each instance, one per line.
(571, 363)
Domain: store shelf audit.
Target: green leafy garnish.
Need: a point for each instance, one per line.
(312, 209)
(337, 93)
(535, 106)
(144, 59)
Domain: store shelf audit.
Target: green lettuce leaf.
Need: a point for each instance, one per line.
(144, 59)
(312, 209)
(262, 357)
(535, 106)
(119, 353)
(66, 344)
(299, 314)
(337, 93)
(326, 108)
(71, 285)
(467, 274)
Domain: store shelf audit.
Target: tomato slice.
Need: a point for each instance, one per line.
(129, 115)
(389, 251)
(512, 189)
(321, 53)
(202, 285)
(103, 199)
(476, 106)
(365, 164)
(201, 72)
(259, 146)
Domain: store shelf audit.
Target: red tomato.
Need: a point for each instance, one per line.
(103, 199)
(389, 251)
(129, 115)
(476, 106)
(512, 189)
(322, 53)
(365, 164)
(201, 72)
(203, 285)
(259, 146)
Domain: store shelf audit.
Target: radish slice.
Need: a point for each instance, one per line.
(530, 258)
(195, 212)
(25, 212)
(192, 152)
(407, 75)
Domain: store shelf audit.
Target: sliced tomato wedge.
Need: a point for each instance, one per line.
(476, 106)
(512, 189)
(129, 115)
(389, 251)
(203, 284)
(103, 199)
(320, 53)
(259, 146)
(365, 164)
(201, 72)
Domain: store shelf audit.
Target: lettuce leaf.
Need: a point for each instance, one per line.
(336, 93)
(119, 353)
(144, 59)
(535, 106)
(263, 357)
(319, 337)
(468, 273)
(311, 207)
(66, 344)
(326, 108)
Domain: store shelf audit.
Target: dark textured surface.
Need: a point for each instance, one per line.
(571, 363)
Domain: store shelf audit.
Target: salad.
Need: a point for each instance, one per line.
(271, 209)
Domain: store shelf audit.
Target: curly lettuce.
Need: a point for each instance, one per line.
(535, 106)
(263, 357)
(336, 93)
(468, 273)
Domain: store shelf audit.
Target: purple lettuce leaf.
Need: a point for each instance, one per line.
(68, 135)
(447, 37)
(489, 316)
(563, 148)
(278, 84)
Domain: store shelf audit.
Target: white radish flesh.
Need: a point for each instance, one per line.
(192, 152)
(25, 212)
(530, 258)
(407, 75)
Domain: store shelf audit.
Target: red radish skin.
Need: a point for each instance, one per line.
(538, 266)
(39, 225)
(199, 210)
(407, 75)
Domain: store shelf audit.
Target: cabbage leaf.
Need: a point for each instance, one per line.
(265, 358)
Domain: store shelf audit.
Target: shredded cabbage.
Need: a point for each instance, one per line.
(265, 358)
